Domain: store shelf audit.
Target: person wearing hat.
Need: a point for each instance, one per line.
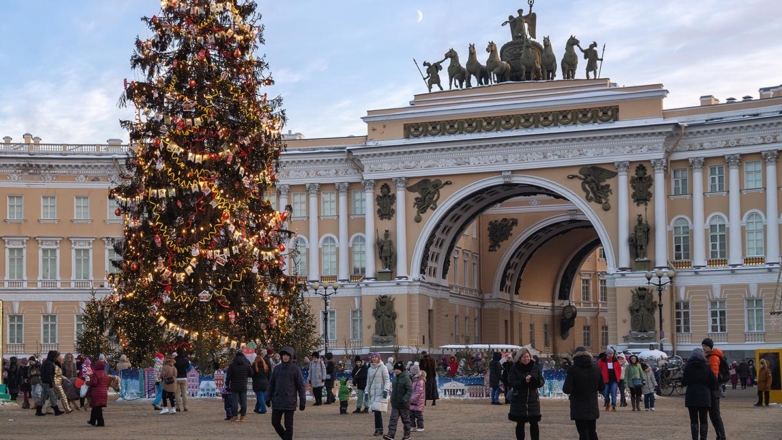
(359, 380)
(158, 387)
(612, 371)
(24, 382)
(699, 380)
(622, 382)
(714, 357)
(401, 392)
(317, 377)
(582, 382)
(236, 376)
(286, 386)
(376, 392)
(331, 374)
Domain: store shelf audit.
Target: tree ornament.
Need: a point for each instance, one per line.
(118, 212)
(158, 241)
(232, 316)
(192, 83)
(237, 53)
(226, 215)
(134, 266)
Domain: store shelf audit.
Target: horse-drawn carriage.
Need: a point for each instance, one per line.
(671, 376)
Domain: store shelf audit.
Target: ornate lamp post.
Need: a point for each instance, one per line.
(659, 283)
(322, 290)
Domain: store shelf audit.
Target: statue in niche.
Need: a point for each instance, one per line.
(641, 183)
(385, 202)
(385, 250)
(428, 195)
(640, 238)
(385, 321)
(592, 178)
(642, 311)
(499, 231)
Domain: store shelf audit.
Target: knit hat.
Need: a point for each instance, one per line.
(580, 348)
(159, 355)
(79, 358)
(698, 352)
(415, 371)
(23, 361)
(610, 351)
(399, 366)
(375, 354)
(708, 342)
(357, 358)
(102, 357)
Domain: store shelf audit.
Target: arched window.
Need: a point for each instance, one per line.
(717, 243)
(329, 255)
(754, 231)
(300, 257)
(681, 239)
(359, 256)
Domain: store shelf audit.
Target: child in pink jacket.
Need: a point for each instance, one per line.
(417, 400)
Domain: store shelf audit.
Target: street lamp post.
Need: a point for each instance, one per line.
(322, 290)
(659, 283)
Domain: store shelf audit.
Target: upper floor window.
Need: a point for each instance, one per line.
(328, 203)
(716, 178)
(586, 289)
(15, 268)
(49, 264)
(753, 176)
(113, 259)
(587, 335)
(603, 290)
(719, 316)
(754, 315)
(48, 208)
(16, 329)
(300, 256)
(682, 317)
(355, 325)
(359, 255)
(329, 254)
(717, 238)
(15, 207)
(601, 254)
(680, 182)
(111, 214)
(299, 205)
(82, 266)
(359, 203)
(48, 329)
(754, 232)
(681, 239)
(82, 211)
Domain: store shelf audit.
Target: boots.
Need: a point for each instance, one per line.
(57, 411)
(38, 411)
(639, 402)
(366, 410)
(694, 431)
(704, 431)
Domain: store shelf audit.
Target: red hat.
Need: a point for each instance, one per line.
(269, 351)
(159, 355)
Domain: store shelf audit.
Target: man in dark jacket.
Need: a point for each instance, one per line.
(495, 374)
(236, 378)
(401, 391)
(582, 382)
(359, 380)
(285, 386)
(47, 383)
(331, 370)
(182, 365)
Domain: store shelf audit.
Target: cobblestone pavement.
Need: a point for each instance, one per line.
(450, 419)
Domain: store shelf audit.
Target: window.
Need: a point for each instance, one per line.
(49, 330)
(328, 204)
(455, 268)
(300, 257)
(716, 178)
(113, 256)
(601, 254)
(359, 256)
(719, 316)
(717, 245)
(681, 239)
(586, 289)
(456, 329)
(682, 317)
(48, 264)
(359, 203)
(466, 328)
(15, 208)
(466, 271)
(680, 182)
(476, 326)
(112, 211)
(81, 268)
(78, 326)
(355, 325)
(475, 273)
(604, 336)
(587, 332)
(601, 284)
(15, 264)
(546, 341)
(82, 208)
(755, 315)
(329, 253)
(753, 176)
(532, 333)
(48, 208)
(16, 329)
(754, 231)
(332, 319)
(299, 205)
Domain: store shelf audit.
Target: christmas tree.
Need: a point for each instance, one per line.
(203, 247)
(94, 339)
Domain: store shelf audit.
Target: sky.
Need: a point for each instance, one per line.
(63, 63)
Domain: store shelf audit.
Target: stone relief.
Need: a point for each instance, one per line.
(385, 203)
(500, 231)
(428, 195)
(642, 310)
(734, 142)
(385, 321)
(592, 178)
(641, 183)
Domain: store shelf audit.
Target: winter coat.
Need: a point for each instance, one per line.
(713, 359)
(401, 390)
(429, 365)
(71, 392)
(582, 382)
(158, 368)
(260, 377)
(495, 370)
(35, 373)
(24, 378)
(417, 399)
(377, 382)
(12, 377)
(525, 401)
(99, 386)
(734, 377)
(632, 371)
(650, 382)
(453, 366)
(764, 378)
(743, 371)
(47, 369)
(168, 370)
(699, 380)
(237, 374)
(344, 390)
(69, 369)
(317, 373)
(611, 364)
(506, 366)
(182, 364)
(123, 363)
(331, 373)
(286, 385)
(359, 376)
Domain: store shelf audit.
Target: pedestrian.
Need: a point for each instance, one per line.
(106, 367)
(317, 377)
(582, 382)
(261, 373)
(344, 395)
(764, 383)
(429, 366)
(59, 390)
(700, 381)
(390, 367)
(734, 375)
(525, 378)
(69, 369)
(752, 373)
(182, 364)
(99, 390)
(285, 386)
(650, 383)
(84, 373)
(401, 392)
(24, 382)
(610, 368)
(418, 399)
(36, 388)
(743, 371)
(123, 363)
(378, 385)
(168, 375)
(634, 375)
(622, 382)
(507, 364)
(714, 357)
(228, 402)
(331, 375)
(359, 380)
(495, 374)
(47, 386)
(158, 386)
(236, 376)
(11, 378)
(453, 366)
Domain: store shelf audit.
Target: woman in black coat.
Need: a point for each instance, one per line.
(582, 382)
(260, 374)
(525, 377)
(743, 372)
(495, 374)
(699, 380)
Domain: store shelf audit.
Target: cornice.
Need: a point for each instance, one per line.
(730, 134)
(43, 295)
(303, 169)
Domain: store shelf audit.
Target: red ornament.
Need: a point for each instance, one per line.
(157, 142)
(281, 247)
(226, 215)
(118, 212)
(232, 316)
(237, 53)
(192, 83)
(134, 266)
(158, 241)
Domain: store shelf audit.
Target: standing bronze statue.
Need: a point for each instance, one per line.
(590, 55)
(432, 77)
(640, 238)
(517, 29)
(385, 250)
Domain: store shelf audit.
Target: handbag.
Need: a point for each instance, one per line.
(83, 390)
(78, 382)
(169, 380)
(637, 382)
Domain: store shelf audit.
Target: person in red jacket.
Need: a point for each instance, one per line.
(99, 390)
(713, 356)
(612, 371)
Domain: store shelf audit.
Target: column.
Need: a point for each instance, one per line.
(698, 222)
(735, 250)
(660, 217)
(284, 191)
(313, 264)
(772, 210)
(343, 264)
(624, 216)
(369, 228)
(401, 228)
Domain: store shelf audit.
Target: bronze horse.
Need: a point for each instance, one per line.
(456, 71)
(476, 69)
(548, 62)
(570, 60)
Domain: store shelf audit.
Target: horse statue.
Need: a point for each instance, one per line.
(495, 65)
(456, 71)
(570, 60)
(548, 63)
(476, 69)
(529, 63)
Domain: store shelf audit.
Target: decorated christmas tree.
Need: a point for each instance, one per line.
(203, 247)
(94, 339)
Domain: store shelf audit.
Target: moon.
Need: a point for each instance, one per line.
(420, 16)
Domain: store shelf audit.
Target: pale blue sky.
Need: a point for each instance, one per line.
(63, 62)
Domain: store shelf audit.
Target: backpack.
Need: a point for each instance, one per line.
(724, 370)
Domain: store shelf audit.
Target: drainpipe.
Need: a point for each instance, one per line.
(668, 151)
